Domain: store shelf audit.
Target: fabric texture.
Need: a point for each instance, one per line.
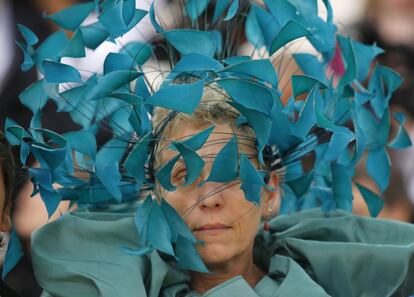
(310, 254)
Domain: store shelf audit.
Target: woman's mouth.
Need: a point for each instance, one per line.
(212, 228)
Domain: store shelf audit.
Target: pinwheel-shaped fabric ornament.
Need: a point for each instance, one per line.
(330, 119)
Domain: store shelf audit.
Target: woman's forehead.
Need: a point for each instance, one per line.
(218, 138)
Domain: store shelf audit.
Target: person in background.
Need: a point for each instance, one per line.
(13, 81)
(7, 177)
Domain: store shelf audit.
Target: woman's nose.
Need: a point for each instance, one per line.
(210, 196)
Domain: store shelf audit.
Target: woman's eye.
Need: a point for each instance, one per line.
(179, 178)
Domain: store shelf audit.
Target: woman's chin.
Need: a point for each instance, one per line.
(214, 254)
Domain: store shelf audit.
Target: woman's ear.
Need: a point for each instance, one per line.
(270, 202)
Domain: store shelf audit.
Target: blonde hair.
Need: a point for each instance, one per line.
(213, 109)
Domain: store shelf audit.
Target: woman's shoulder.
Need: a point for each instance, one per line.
(344, 253)
(81, 234)
(341, 226)
(84, 254)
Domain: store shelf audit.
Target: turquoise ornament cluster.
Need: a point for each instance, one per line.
(339, 120)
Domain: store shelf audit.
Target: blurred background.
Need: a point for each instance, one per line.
(390, 23)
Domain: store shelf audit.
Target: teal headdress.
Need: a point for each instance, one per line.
(334, 119)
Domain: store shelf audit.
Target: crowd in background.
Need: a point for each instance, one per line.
(390, 23)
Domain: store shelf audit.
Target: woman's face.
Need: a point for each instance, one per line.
(216, 213)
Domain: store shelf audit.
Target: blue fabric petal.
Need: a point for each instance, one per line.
(375, 131)
(260, 69)
(194, 164)
(82, 141)
(383, 83)
(13, 132)
(137, 158)
(348, 53)
(373, 201)
(112, 151)
(291, 31)
(219, 9)
(402, 139)
(266, 27)
(183, 41)
(71, 98)
(141, 88)
(60, 73)
(196, 141)
(177, 225)
(311, 66)
(322, 34)
(195, 64)
(128, 10)
(28, 35)
(72, 17)
(260, 123)
(236, 60)
(139, 14)
(283, 138)
(28, 62)
(359, 145)
(282, 10)
(195, 8)
(365, 56)
(342, 186)
(152, 227)
(163, 174)
(338, 144)
(307, 118)
(226, 163)
(378, 167)
(108, 174)
(302, 84)
(300, 186)
(138, 52)
(51, 48)
(252, 181)
(234, 6)
(14, 253)
(115, 61)
(111, 82)
(306, 7)
(288, 203)
(94, 35)
(180, 97)
(33, 97)
(42, 177)
(188, 257)
(75, 48)
(51, 199)
(250, 94)
(253, 31)
(113, 20)
(53, 156)
(153, 19)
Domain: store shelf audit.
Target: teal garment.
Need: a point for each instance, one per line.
(310, 254)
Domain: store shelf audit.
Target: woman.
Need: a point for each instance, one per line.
(310, 254)
(213, 157)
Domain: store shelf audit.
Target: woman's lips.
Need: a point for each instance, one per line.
(212, 228)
